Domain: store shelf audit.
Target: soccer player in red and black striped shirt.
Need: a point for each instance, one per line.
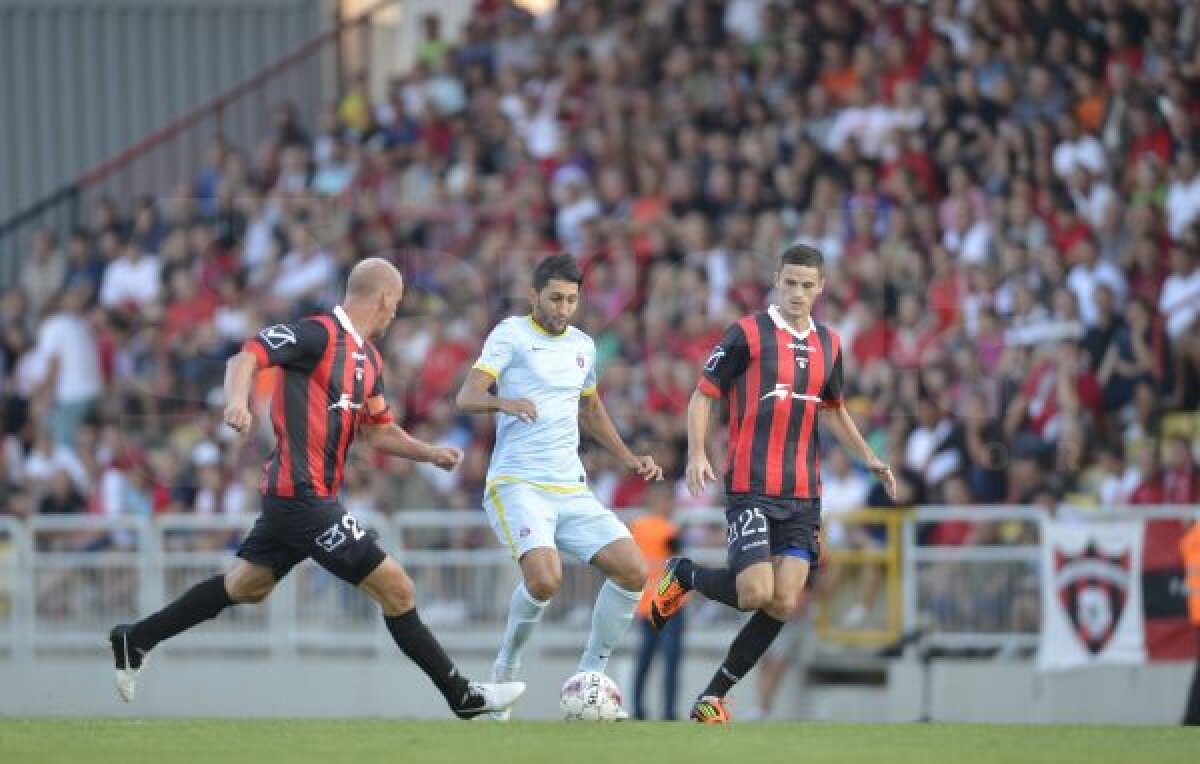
(775, 369)
(329, 388)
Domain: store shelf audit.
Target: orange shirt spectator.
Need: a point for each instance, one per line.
(657, 538)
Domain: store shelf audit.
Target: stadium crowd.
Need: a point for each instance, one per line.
(1007, 194)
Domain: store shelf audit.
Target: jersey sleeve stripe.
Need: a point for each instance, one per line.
(589, 391)
(255, 348)
(706, 387)
(486, 369)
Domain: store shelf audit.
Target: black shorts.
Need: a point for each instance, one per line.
(293, 529)
(761, 527)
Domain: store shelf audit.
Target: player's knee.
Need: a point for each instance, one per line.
(544, 585)
(754, 595)
(632, 576)
(784, 605)
(401, 594)
(252, 596)
(248, 590)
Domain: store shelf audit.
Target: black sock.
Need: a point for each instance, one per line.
(718, 584)
(198, 604)
(419, 644)
(748, 646)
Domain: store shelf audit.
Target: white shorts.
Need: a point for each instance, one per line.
(526, 516)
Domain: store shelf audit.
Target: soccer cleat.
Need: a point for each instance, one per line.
(669, 596)
(485, 697)
(621, 716)
(127, 659)
(502, 674)
(711, 710)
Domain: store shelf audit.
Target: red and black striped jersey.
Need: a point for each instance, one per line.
(330, 380)
(774, 380)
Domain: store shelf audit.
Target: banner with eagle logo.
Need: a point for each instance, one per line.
(1092, 595)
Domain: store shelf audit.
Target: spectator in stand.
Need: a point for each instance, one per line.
(44, 274)
(72, 381)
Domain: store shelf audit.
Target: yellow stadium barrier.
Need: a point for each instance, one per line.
(881, 624)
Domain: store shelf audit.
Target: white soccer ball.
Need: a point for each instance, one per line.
(590, 696)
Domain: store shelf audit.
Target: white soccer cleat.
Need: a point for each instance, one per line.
(127, 684)
(127, 660)
(486, 697)
(500, 674)
(621, 715)
(499, 696)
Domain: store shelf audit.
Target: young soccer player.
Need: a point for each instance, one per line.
(775, 369)
(537, 497)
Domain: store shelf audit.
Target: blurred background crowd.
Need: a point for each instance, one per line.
(1007, 193)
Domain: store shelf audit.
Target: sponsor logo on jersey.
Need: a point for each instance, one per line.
(345, 403)
(714, 359)
(277, 336)
(783, 392)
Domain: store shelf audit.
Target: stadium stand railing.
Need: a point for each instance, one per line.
(882, 559)
(988, 596)
(65, 580)
(307, 77)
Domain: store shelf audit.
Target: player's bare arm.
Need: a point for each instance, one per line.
(699, 470)
(595, 422)
(474, 398)
(239, 374)
(839, 422)
(392, 439)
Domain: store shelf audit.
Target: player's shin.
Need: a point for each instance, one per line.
(611, 618)
(203, 601)
(419, 644)
(523, 614)
(718, 584)
(748, 647)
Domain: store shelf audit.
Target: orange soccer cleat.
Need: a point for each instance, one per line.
(711, 710)
(669, 596)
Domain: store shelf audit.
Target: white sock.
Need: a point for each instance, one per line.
(523, 614)
(610, 620)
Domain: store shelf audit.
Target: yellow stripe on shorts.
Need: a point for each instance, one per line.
(495, 495)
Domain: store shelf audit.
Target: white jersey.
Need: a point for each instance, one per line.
(552, 371)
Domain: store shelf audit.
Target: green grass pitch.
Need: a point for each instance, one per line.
(371, 741)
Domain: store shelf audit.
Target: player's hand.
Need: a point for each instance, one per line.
(445, 458)
(522, 408)
(646, 468)
(698, 473)
(238, 416)
(885, 475)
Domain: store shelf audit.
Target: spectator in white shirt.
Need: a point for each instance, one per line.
(1183, 195)
(1089, 272)
(73, 379)
(305, 271)
(1077, 149)
(1091, 195)
(1179, 301)
(133, 278)
(43, 274)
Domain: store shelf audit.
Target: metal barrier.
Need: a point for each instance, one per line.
(879, 565)
(65, 580)
(989, 596)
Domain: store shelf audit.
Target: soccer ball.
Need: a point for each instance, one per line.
(590, 696)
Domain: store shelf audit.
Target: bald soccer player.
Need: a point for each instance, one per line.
(329, 390)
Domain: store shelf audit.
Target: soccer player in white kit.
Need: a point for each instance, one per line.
(537, 497)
